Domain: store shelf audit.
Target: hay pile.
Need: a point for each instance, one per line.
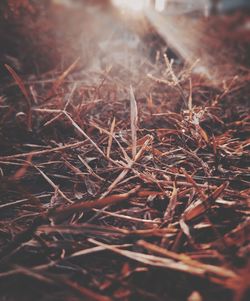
(112, 193)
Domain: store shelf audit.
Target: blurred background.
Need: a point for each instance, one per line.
(38, 36)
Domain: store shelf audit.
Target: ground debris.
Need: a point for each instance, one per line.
(112, 193)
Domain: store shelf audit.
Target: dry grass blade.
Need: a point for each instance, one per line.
(152, 260)
(111, 138)
(24, 91)
(220, 275)
(33, 274)
(199, 207)
(65, 107)
(127, 167)
(171, 206)
(43, 152)
(62, 77)
(22, 171)
(98, 203)
(19, 82)
(85, 292)
(134, 121)
(54, 186)
(78, 128)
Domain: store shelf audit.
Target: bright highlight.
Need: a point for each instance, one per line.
(160, 5)
(134, 5)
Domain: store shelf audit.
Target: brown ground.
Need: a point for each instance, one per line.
(114, 193)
